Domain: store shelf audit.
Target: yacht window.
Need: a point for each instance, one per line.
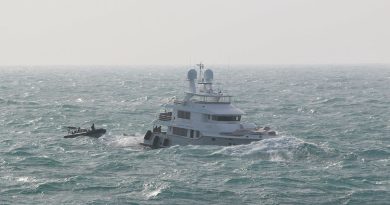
(226, 118)
(179, 131)
(183, 114)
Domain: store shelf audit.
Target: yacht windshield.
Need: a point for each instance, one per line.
(211, 99)
(226, 117)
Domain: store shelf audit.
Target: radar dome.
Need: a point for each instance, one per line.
(191, 75)
(208, 75)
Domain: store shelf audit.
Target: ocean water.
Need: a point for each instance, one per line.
(333, 122)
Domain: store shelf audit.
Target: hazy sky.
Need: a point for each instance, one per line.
(120, 32)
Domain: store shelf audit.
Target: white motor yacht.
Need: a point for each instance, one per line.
(203, 117)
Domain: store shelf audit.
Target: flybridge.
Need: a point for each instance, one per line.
(207, 98)
(204, 93)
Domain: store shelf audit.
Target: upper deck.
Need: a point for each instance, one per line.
(215, 98)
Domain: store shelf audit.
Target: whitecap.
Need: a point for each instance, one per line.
(26, 179)
(275, 149)
(124, 140)
(151, 191)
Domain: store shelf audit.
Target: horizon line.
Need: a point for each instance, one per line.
(176, 65)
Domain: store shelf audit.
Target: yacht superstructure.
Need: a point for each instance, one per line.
(203, 117)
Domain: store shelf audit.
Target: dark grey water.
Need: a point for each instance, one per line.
(334, 147)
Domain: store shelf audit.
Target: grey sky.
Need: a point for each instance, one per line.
(118, 32)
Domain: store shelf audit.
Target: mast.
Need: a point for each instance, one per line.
(201, 66)
(205, 79)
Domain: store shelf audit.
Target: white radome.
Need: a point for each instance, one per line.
(191, 75)
(208, 75)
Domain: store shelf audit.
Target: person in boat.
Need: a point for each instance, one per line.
(93, 126)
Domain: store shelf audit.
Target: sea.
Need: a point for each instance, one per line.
(333, 144)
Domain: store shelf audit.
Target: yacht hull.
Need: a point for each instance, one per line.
(161, 140)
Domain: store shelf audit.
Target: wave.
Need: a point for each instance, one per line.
(67, 106)
(19, 152)
(112, 166)
(17, 102)
(374, 154)
(40, 161)
(132, 141)
(152, 190)
(329, 100)
(276, 149)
